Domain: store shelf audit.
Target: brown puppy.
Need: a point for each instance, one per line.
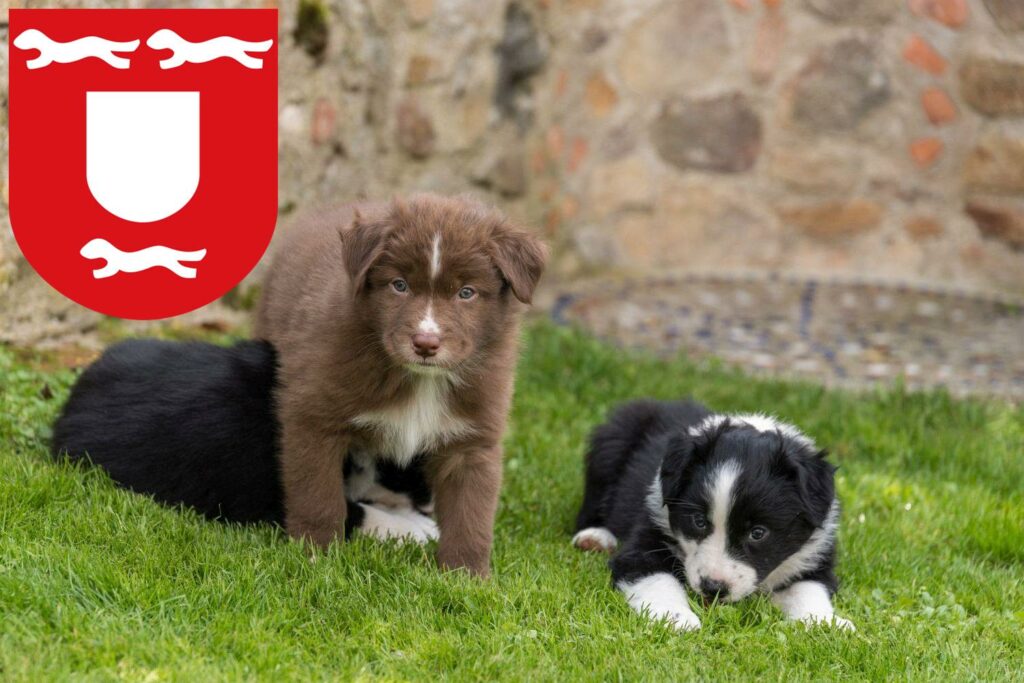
(397, 329)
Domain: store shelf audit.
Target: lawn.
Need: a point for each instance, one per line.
(97, 583)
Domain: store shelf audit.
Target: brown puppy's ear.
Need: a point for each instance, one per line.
(363, 242)
(520, 257)
(400, 211)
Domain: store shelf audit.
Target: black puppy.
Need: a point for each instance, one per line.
(726, 504)
(194, 424)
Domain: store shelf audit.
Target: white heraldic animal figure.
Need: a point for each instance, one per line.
(206, 51)
(118, 261)
(51, 52)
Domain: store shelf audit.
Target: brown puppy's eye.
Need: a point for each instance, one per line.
(400, 285)
(758, 533)
(467, 293)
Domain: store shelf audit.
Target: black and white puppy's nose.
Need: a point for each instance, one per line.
(712, 588)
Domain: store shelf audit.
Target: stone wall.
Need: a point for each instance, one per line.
(880, 138)
(869, 137)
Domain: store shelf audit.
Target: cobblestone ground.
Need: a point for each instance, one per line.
(850, 334)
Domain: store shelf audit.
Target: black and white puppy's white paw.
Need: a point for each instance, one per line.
(662, 598)
(809, 602)
(726, 505)
(403, 525)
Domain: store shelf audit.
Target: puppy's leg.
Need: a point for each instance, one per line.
(591, 533)
(809, 602)
(311, 474)
(466, 486)
(645, 572)
(611, 448)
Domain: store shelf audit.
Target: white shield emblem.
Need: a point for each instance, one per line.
(142, 152)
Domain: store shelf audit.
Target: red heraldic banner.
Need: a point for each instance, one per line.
(143, 152)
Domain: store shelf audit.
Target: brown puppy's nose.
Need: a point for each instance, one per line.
(426, 344)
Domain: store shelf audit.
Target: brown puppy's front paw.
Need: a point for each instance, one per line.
(478, 566)
(318, 535)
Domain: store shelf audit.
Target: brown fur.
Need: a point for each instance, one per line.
(343, 335)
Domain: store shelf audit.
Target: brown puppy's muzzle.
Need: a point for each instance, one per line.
(426, 345)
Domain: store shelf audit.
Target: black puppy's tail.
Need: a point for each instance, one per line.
(611, 445)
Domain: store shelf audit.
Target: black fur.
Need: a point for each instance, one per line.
(784, 485)
(193, 424)
(624, 455)
(409, 480)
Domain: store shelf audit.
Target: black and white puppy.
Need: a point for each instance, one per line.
(725, 504)
(194, 424)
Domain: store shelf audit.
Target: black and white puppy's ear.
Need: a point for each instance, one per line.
(814, 477)
(364, 241)
(818, 483)
(683, 452)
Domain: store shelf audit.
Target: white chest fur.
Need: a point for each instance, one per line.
(422, 423)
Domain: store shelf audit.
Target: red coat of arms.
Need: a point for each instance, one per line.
(143, 152)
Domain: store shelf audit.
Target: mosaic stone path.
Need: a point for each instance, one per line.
(849, 334)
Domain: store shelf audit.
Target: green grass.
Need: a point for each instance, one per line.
(97, 584)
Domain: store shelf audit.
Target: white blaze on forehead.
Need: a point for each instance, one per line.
(720, 494)
(435, 257)
(428, 325)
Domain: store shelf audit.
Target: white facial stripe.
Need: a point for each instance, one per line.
(435, 257)
(428, 325)
(715, 546)
(709, 558)
(720, 494)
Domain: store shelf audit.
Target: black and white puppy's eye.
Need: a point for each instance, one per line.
(467, 293)
(699, 521)
(758, 533)
(400, 285)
